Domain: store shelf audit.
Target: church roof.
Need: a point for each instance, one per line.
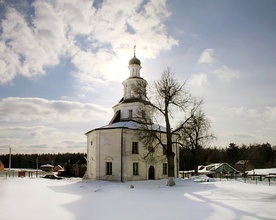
(130, 125)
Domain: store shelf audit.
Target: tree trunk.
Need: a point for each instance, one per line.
(194, 152)
(171, 176)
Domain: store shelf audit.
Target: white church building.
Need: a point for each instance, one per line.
(115, 151)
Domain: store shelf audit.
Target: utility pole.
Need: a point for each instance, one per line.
(36, 166)
(10, 163)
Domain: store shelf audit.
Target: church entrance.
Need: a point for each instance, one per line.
(151, 173)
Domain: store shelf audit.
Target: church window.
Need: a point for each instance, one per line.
(135, 148)
(165, 169)
(151, 149)
(130, 113)
(108, 168)
(135, 169)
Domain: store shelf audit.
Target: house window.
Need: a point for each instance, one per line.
(135, 148)
(108, 168)
(165, 169)
(135, 169)
(130, 113)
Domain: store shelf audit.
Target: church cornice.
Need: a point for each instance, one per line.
(132, 100)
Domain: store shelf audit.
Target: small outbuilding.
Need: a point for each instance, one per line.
(47, 167)
(244, 166)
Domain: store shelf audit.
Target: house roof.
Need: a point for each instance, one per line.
(47, 166)
(242, 162)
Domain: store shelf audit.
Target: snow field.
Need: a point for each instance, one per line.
(77, 199)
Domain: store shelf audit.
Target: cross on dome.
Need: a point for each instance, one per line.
(134, 60)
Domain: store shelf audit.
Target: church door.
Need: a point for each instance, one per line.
(151, 173)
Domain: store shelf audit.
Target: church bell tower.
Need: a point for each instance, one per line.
(134, 90)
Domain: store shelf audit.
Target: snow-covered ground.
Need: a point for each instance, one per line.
(38, 198)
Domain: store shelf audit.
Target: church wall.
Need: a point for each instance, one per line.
(109, 150)
(143, 159)
(91, 156)
(105, 146)
(131, 136)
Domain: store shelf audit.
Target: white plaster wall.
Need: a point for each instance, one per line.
(91, 155)
(109, 151)
(106, 147)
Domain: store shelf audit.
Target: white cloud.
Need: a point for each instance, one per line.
(198, 84)
(270, 113)
(206, 57)
(91, 38)
(40, 139)
(225, 74)
(40, 125)
(242, 125)
(257, 123)
(47, 111)
(27, 50)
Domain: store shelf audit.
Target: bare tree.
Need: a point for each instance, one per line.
(169, 96)
(196, 133)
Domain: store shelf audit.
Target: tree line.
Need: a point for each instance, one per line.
(260, 155)
(32, 160)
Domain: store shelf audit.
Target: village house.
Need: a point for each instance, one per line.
(79, 168)
(2, 167)
(115, 151)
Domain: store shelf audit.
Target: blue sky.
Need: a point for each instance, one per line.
(62, 64)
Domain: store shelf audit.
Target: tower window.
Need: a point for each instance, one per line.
(108, 166)
(135, 169)
(135, 148)
(132, 88)
(130, 113)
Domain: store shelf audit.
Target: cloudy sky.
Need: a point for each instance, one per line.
(62, 64)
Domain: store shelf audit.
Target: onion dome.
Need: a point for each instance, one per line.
(134, 60)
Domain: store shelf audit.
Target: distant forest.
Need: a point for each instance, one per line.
(30, 160)
(260, 155)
